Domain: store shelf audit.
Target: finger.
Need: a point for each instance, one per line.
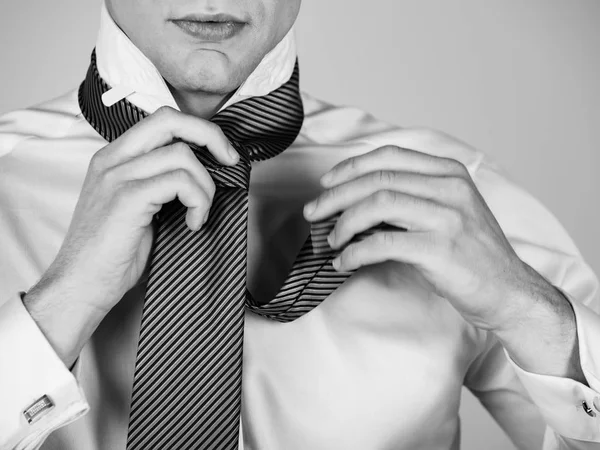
(162, 160)
(394, 208)
(165, 126)
(391, 158)
(165, 187)
(342, 196)
(411, 248)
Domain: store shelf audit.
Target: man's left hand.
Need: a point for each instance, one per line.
(445, 230)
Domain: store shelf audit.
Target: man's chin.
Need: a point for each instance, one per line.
(209, 71)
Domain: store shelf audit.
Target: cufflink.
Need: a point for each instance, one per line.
(589, 411)
(38, 409)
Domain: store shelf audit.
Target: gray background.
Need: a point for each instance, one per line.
(518, 79)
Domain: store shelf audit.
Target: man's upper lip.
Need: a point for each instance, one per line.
(209, 18)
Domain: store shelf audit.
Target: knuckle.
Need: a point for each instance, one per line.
(389, 239)
(385, 177)
(355, 251)
(454, 166)
(165, 115)
(350, 216)
(180, 175)
(391, 150)
(452, 221)
(183, 151)
(385, 197)
(446, 248)
(437, 247)
(215, 129)
(383, 239)
(353, 164)
(110, 177)
(218, 132)
(464, 190)
(97, 161)
(351, 254)
(164, 111)
(331, 194)
(460, 186)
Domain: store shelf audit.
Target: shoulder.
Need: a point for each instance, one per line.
(328, 124)
(523, 217)
(47, 120)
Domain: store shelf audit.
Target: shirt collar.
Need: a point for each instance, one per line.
(133, 76)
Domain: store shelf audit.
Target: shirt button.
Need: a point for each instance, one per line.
(589, 411)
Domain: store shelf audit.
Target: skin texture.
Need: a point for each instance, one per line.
(452, 238)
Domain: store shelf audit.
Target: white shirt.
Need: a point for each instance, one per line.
(378, 365)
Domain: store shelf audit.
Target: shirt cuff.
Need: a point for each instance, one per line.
(39, 393)
(570, 408)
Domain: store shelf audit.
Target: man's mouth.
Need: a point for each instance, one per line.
(210, 27)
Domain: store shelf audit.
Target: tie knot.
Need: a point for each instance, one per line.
(237, 176)
(263, 127)
(259, 127)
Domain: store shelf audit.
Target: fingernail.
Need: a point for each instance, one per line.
(309, 208)
(336, 263)
(235, 157)
(331, 238)
(326, 179)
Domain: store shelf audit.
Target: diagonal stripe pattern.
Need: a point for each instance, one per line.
(187, 382)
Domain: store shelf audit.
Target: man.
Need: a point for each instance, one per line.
(119, 316)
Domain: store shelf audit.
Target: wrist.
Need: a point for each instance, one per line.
(66, 321)
(524, 301)
(540, 334)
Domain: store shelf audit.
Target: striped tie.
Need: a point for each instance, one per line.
(187, 382)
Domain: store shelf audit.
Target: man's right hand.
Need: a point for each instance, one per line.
(109, 239)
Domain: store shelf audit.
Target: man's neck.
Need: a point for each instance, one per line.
(202, 105)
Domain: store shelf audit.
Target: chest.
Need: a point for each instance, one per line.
(381, 360)
(381, 353)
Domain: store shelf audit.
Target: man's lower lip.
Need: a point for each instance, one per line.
(210, 31)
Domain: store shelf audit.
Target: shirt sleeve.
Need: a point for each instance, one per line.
(538, 411)
(570, 408)
(39, 394)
